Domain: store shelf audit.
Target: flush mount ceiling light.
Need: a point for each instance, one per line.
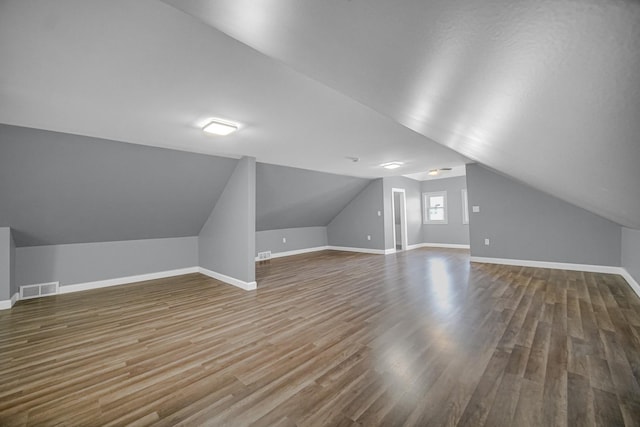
(220, 127)
(434, 172)
(392, 165)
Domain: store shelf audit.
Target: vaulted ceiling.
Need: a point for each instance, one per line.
(146, 73)
(544, 92)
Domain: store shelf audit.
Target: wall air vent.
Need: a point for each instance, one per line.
(39, 290)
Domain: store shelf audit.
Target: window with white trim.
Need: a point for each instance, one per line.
(465, 207)
(435, 207)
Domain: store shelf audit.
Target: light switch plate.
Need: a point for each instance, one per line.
(476, 209)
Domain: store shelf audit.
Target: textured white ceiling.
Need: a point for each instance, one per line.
(544, 91)
(146, 73)
(424, 176)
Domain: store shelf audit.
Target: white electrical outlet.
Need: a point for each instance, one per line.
(284, 240)
(264, 255)
(379, 213)
(368, 237)
(475, 209)
(486, 242)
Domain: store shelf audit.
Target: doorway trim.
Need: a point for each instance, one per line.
(404, 244)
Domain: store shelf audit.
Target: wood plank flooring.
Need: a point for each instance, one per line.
(421, 338)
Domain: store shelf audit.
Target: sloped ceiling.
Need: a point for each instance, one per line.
(144, 72)
(291, 197)
(544, 91)
(59, 188)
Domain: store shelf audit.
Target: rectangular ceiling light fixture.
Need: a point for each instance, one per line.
(392, 165)
(220, 127)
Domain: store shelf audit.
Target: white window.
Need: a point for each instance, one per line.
(465, 207)
(435, 207)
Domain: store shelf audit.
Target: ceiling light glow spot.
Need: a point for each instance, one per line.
(220, 127)
(392, 165)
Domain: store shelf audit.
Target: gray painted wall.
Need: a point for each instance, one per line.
(524, 223)
(13, 284)
(59, 188)
(360, 218)
(297, 238)
(414, 221)
(455, 232)
(5, 263)
(292, 198)
(631, 252)
(227, 241)
(87, 262)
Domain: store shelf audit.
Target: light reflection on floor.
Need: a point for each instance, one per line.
(443, 289)
(441, 285)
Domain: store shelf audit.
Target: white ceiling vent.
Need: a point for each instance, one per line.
(39, 290)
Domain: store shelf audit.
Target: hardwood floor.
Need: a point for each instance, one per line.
(332, 338)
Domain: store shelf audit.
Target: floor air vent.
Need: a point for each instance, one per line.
(264, 255)
(40, 290)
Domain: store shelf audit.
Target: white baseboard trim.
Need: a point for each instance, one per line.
(125, 280)
(445, 245)
(547, 264)
(364, 250)
(434, 245)
(331, 248)
(564, 266)
(361, 250)
(438, 245)
(294, 252)
(139, 278)
(247, 286)
(14, 298)
(630, 280)
(8, 303)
